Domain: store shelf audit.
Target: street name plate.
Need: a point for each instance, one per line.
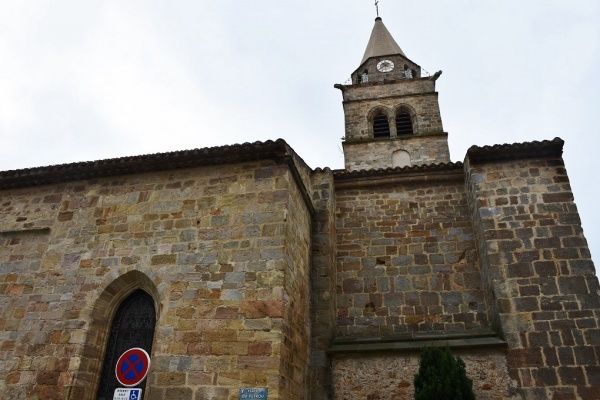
(128, 394)
(253, 394)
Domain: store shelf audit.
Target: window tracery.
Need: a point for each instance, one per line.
(132, 326)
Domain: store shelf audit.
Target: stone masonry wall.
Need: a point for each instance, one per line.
(401, 63)
(406, 258)
(390, 376)
(323, 283)
(538, 271)
(209, 244)
(362, 102)
(295, 352)
(22, 321)
(384, 90)
(426, 108)
(377, 154)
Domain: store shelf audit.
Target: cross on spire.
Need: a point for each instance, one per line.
(377, 7)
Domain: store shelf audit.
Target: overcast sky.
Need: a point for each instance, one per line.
(88, 80)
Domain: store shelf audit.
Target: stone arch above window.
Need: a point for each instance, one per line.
(379, 123)
(132, 326)
(86, 383)
(405, 120)
(401, 158)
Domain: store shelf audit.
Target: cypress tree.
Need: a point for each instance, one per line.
(442, 376)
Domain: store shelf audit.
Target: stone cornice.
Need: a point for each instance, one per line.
(415, 341)
(144, 163)
(397, 138)
(389, 176)
(515, 151)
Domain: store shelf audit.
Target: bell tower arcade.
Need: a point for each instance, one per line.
(392, 115)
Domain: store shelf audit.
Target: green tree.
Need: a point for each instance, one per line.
(442, 376)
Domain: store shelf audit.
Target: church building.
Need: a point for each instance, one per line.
(239, 269)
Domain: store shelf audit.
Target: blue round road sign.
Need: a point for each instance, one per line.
(132, 367)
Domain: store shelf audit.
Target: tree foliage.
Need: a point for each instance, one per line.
(442, 376)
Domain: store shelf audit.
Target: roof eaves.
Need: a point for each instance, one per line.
(144, 163)
(395, 176)
(345, 174)
(515, 151)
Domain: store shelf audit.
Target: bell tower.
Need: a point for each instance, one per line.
(391, 111)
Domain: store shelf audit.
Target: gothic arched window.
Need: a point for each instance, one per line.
(404, 124)
(381, 126)
(132, 326)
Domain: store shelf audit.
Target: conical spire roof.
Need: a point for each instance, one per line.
(381, 42)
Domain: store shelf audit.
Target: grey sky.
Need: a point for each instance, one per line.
(98, 79)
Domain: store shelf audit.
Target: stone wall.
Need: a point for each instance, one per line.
(323, 281)
(267, 274)
(217, 249)
(406, 255)
(295, 352)
(385, 90)
(428, 145)
(538, 271)
(378, 154)
(418, 94)
(401, 64)
(25, 323)
(390, 376)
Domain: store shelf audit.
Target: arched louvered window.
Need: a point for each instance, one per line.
(364, 78)
(133, 326)
(381, 126)
(404, 124)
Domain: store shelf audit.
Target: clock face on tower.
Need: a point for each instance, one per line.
(385, 66)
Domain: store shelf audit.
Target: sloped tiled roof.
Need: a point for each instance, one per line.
(400, 175)
(516, 151)
(144, 163)
(256, 151)
(344, 174)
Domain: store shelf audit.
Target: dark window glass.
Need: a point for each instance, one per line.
(404, 124)
(133, 326)
(381, 126)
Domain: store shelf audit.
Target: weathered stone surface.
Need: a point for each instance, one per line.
(224, 251)
(406, 260)
(390, 377)
(256, 264)
(535, 262)
(417, 97)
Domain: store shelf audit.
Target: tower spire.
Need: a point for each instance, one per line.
(381, 42)
(392, 113)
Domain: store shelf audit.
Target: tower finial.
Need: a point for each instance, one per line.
(377, 7)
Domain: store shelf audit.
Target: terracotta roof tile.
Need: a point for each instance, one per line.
(344, 174)
(516, 151)
(143, 163)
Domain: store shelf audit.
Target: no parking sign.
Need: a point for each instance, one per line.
(132, 367)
